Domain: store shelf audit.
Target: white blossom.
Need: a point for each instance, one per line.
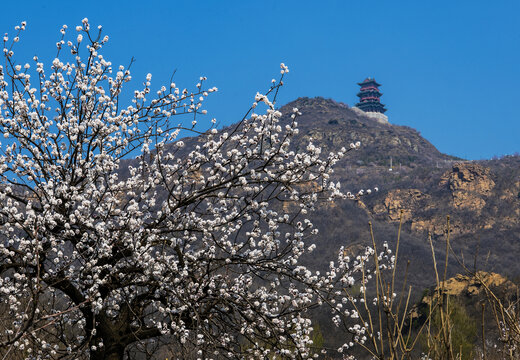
(187, 240)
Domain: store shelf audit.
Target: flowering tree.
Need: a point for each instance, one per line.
(190, 245)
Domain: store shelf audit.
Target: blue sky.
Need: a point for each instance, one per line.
(449, 69)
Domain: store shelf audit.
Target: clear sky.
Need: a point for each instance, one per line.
(449, 69)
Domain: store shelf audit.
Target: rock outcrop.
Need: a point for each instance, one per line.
(466, 188)
(467, 290)
(406, 201)
(468, 176)
(469, 184)
(473, 285)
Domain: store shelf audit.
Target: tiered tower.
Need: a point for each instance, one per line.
(369, 100)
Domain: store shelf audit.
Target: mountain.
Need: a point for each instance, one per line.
(333, 124)
(481, 198)
(425, 187)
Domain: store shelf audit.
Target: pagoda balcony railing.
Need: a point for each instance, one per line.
(369, 92)
(369, 88)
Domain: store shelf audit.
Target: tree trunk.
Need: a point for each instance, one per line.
(110, 351)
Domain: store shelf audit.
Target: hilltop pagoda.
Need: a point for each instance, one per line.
(369, 100)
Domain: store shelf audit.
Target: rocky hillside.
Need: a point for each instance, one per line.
(481, 198)
(423, 187)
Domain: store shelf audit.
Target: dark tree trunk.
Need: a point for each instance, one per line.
(111, 351)
(116, 335)
(112, 335)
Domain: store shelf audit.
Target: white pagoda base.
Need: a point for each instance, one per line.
(380, 117)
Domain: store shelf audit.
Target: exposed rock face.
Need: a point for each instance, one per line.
(469, 184)
(468, 200)
(467, 289)
(473, 285)
(468, 177)
(464, 286)
(406, 200)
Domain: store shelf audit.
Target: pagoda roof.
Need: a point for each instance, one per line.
(369, 80)
(371, 106)
(365, 92)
